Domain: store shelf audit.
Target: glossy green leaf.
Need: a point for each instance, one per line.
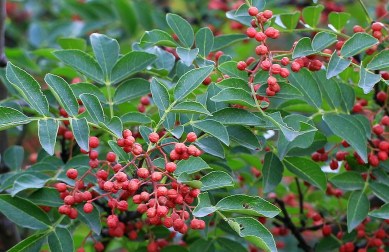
(272, 171)
(106, 51)
(349, 129)
(127, 14)
(27, 181)
(367, 80)
(181, 28)
(47, 133)
(72, 43)
(185, 179)
(131, 89)
(213, 128)
(234, 96)
(358, 43)
(82, 62)
(348, 96)
(87, 88)
(337, 65)
(190, 81)
(234, 82)
(160, 94)
(380, 190)
(60, 240)
(190, 107)
(322, 40)
(329, 88)
(32, 243)
(357, 209)
(81, 132)
(187, 55)
(215, 180)
(10, 117)
(312, 15)
(28, 88)
(46, 196)
(63, 93)
(303, 48)
(212, 146)
(157, 37)
(130, 64)
(307, 170)
(328, 244)
(92, 219)
(253, 231)
(286, 92)
(135, 118)
(382, 212)
(93, 106)
(231, 70)
(222, 41)
(307, 85)
(174, 248)
(202, 245)
(204, 41)
(13, 157)
(380, 61)
(230, 245)
(290, 20)
(120, 153)
(204, 206)
(244, 137)
(191, 165)
(348, 181)
(250, 205)
(338, 19)
(23, 213)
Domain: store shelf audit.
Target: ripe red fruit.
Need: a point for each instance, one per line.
(170, 167)
(381, 96)
(295, 67)
(93, 142)
(275, 69)
(271, 81)
(72, 173)
(270, 32)
(376, 26)
(251, 32)
(357, 29)
(143, 172)
(88, 207)
(326, 230)
(191, 137)
(180, 148)
(99, 246)
(340, 156)
(285, 61)
(154, 137)
(111, 157)
(145, 100)
(112, 221)
(373, 160)
(93, 154)
(61, 187)
(334, 165)
(194, 192)
(345, 144)
(207, 81)
(378, 130)
(122, 205)
(151, 212)
(156, 176)
(385, 120)
(284, 73)
(253, 11)
(265, 65)
(382, 155)
(162, 211)
(218, 54)
(152, 247)
(260, 36)
(261, 50)
(241, 65)
(178, 224)
(68, 135)
(108, 186)
(267, 14)
(69, 200)
(316, 217)
(195, 224)
(64, 209)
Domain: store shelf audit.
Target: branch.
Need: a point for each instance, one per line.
(301, 202)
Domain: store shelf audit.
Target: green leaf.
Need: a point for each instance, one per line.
(380, 61)
(348, 96)
(160, 94)
(382, 212)
(157, 37)
(72, 43)
(244, 137)
(329, 88)
(81, 132)
(130, 64)
(380, 190)
(202, 245)
(312, 15)
(322, 40)
(32, 243)
(28, 87)
(92, 219)
(250, 205)
(204, 41)
(185, 179)
(357, 209)
(338, 19)
(115, 125)
(307, 170)
(131, 89)
(27, 181)
(306, 83)
(222, 41)
(190, 107)
(253, 231)
(174, 248)
(60, 240)
(47, 132)
(204, 206)
(358, 43)
(63, 93)
(87, 88)
(303, 48)
(213, 128)
(106, 51)
(135, 118)
(46, 196)
(93, 106)
(10, 180)
(348, 181)
(367, 80)
(187, 55)
(211, 146)
(10, 117)
(215, 180)
(259, 4)
(121, 154)
(231, 70)
(236, 116)
(190, 81)
(181, 28)
(272, 171)
(230, 245)
(23, 213)
(287, 91)
(350, 129)
(13, 157)
(328, 244)
(234, 96)
(191, 165)
(127, 15)
(82, 62)
(234, 82)
(337, 65)
(290, 20)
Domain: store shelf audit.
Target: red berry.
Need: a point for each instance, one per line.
(316, 217)
(381, 96)
(253, 11)
(270, 32)
(267, 14)
(154, 137)
(112, 221)
(382, 155)
(385, 120)
(373, 160)
(170, 167)
(111, 157)
(145, 100)
(61, 187)
(93, 142)
(284, 72)
(69, 200)
(68, 135)
(285, 61)
(251, 32)
(72, 173)
(261, 50)
(88, 207)
(178, 224)
(64, 209)
(143, 172)
(295, 67)
(334, 165)
(326, 231)
(207, 81)
(271, 81)
(152, 247)
(191, 137)
(122, 205)
(265, 65)
(378, 130)
(376, 26)
(93, 154)
(260, 36)
(241, 65)
(156, 176)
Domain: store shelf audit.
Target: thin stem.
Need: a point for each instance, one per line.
(108, 85)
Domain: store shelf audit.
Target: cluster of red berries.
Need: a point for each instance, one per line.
(144, 101)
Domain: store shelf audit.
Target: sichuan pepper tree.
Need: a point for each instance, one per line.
(175, 146)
